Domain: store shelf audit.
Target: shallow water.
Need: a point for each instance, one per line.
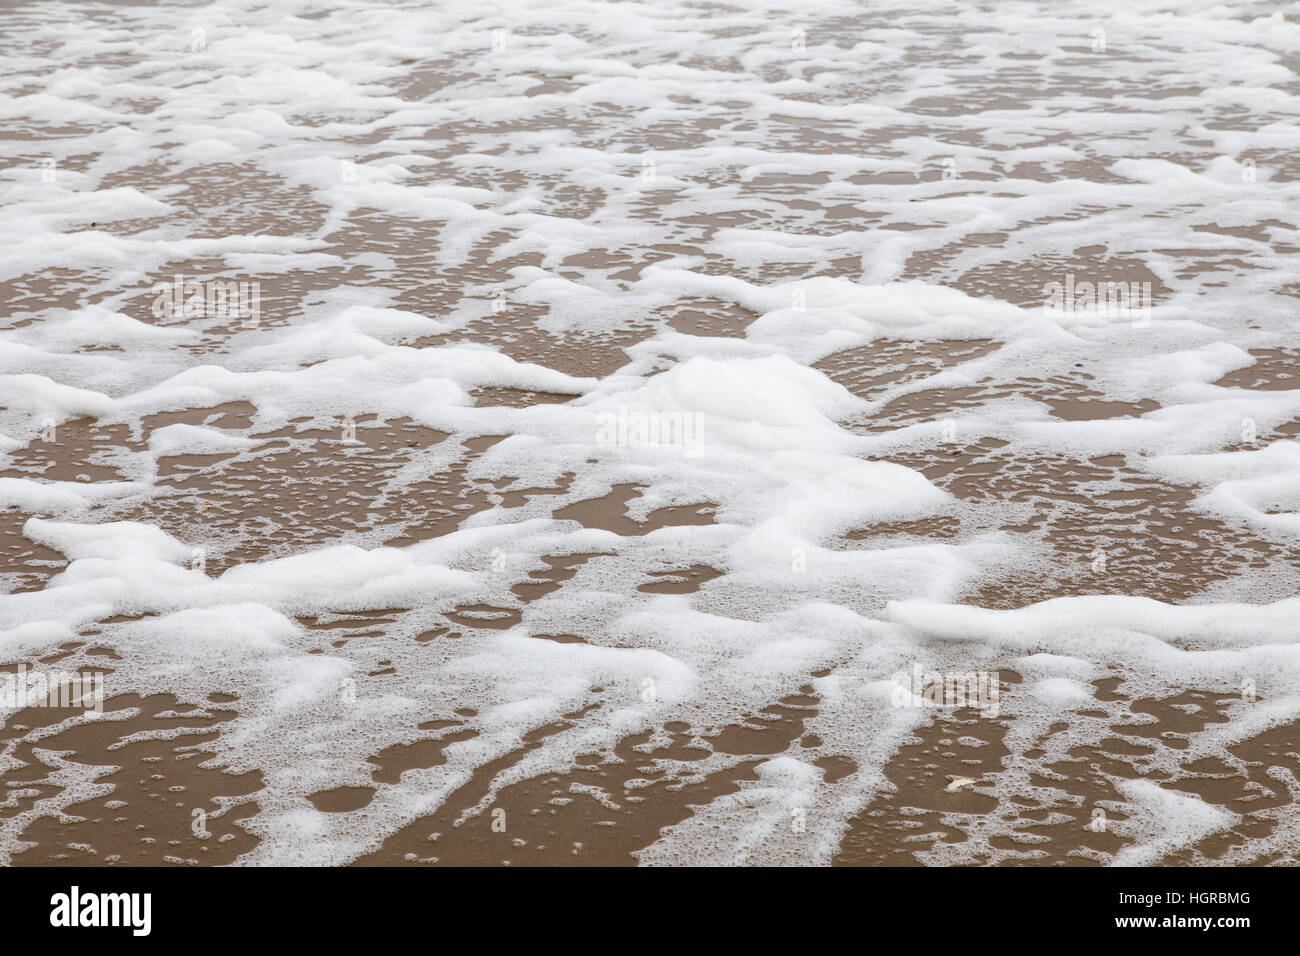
(546, 433)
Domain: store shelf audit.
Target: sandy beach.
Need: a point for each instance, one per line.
(614, 434)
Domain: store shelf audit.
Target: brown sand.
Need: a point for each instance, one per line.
(612, 804)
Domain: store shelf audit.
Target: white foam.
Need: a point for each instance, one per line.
(584, 144)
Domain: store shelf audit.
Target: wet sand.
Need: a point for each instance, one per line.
(612, 804)
(120, 790)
